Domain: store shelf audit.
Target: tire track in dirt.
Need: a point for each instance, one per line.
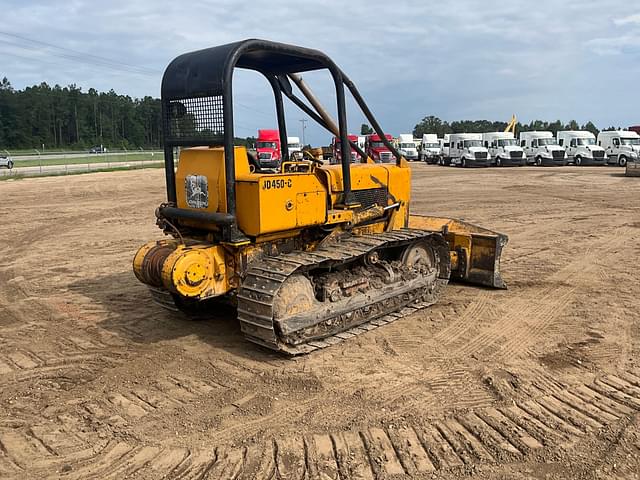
(72, 360)
(166, 394)
(500, 434)
(523, 318)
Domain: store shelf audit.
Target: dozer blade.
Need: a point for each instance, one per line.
(475, 251)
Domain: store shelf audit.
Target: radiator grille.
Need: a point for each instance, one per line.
(385, 157)
(371, 196)
(598, 154)
(481, 155)
(516, 154)
(194, 120)
(558, 154)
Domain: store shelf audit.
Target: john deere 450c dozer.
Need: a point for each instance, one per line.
(311, 254)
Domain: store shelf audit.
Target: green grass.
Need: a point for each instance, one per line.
(98, 158)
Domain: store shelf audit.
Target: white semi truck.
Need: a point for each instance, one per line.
(504, 149)
(430, 148)
(295, 147)
(542, 149)
(620, 146)
(581, 147)
(407, 147)
(466, 150)
(445, 159)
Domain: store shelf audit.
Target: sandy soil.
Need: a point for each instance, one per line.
(539, 381)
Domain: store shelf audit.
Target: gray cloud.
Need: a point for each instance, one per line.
(458, 59)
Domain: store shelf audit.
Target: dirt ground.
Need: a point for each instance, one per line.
(539, 381)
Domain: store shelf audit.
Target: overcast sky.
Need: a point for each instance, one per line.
(461, 59)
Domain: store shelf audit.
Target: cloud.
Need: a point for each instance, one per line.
(628, 20)
(454, 59)
(616, 45)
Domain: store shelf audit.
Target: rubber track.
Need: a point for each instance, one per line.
(263, 281)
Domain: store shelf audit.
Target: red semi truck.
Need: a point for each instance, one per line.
(336, 149)
(268, 148)
(377, 150)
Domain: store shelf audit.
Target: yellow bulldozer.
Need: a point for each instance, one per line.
(310, 254)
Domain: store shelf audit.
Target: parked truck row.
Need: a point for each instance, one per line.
(541, 148)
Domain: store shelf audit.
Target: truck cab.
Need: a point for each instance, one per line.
(295, 148)
(268, 148)
(407, 147)
(504, 149)
(466, 150)
(581, 147)
(620, 146)
(445, 148)
(336, 149)
(430, 148)
(377, 150)
(541, 148)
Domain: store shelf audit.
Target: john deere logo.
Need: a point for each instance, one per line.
(197, 191)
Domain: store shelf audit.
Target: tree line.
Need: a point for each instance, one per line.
(433, 124)
(67, 117)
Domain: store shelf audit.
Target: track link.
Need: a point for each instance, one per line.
(258, 292)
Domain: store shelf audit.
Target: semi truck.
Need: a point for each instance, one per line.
(430, 149)
(504, 149)
(581, 147)
(445, 146)
(336, 150)
(407, 147)
(466, 150)
(377, 150)
(541, 148)
(295, 147)
(268, 148)
(620, 146)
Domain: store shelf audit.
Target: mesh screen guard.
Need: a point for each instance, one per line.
(196, 121)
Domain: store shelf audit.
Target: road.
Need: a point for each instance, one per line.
(62, 156)
(75, 168)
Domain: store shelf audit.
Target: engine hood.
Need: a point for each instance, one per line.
(593, 148)
(512, 148)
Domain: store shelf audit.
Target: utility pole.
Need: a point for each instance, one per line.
(303, 121)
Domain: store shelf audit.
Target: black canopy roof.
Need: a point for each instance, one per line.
(205, 72)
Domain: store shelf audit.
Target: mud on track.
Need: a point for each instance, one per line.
(541, 379)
